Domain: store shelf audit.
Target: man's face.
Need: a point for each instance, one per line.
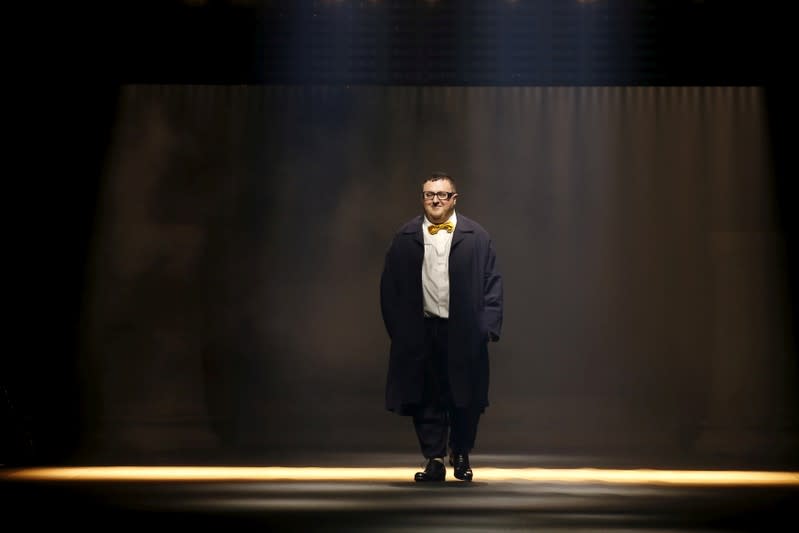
(438, 210)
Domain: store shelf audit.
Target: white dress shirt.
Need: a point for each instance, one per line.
(435, 270)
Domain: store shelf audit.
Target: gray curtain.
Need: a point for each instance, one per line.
(233, 288)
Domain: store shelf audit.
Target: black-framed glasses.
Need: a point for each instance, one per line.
(442, 195)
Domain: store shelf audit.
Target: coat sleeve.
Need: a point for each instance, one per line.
(388, 292)
(492, 294)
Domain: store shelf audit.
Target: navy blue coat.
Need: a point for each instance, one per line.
(475, 314)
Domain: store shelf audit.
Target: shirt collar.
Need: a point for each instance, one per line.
(453, 219)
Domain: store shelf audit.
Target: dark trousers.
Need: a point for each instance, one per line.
(438, 423)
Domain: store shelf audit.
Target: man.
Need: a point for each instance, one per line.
(441, 299)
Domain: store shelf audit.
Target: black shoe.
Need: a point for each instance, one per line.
(461, 463)
(434, 471)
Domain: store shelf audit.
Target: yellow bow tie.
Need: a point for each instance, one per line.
(433, 228)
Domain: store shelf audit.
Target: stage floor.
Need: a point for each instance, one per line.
(378, 494)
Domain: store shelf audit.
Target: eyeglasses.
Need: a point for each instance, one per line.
(442, 195)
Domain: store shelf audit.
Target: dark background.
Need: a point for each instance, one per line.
(74, 63)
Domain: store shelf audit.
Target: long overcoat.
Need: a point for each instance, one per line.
(475, 314)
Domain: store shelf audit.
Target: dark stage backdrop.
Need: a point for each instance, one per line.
(232, 303)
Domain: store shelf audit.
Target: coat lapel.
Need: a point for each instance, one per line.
(414, 228)
(463, 226)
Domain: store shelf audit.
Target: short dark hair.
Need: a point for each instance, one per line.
(440, 175)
